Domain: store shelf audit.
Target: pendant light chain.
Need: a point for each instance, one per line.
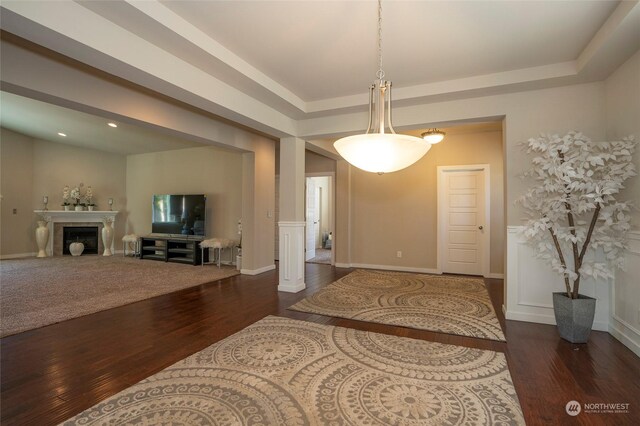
(380, 73)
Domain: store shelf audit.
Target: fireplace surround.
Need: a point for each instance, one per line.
(57, 220)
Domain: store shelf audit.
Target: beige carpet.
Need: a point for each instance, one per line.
(281, 371)
(454, 305)
(322, 256)
(38, 292)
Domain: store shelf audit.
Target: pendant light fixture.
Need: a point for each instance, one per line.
(376, 150)
(433, 136)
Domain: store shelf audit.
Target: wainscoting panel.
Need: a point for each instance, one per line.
(625, 316)
(530, 282)
(291, 273)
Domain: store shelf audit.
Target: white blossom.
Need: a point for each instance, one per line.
(573, 177)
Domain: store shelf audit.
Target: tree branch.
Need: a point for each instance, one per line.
(572, 228)
(592, 226)
(562, 262)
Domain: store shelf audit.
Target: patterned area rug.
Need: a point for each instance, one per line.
(280, 371)
(454, 305)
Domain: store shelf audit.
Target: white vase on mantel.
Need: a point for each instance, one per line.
(107, 237)
(42, 238)
(66, 208)
(79, 208)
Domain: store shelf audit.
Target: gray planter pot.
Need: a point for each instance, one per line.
(574, 316)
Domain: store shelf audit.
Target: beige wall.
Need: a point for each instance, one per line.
(209, 171)
(622, 90)
(56, 165)
(527, 113)
(259, 205)
(623, 118)
(16, 182)
(397, 211)
(28, 73)
(316, 163)
(50, 167)
(342, 237)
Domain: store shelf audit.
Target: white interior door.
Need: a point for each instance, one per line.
(310, 246)
(317, 219)
(464, 230)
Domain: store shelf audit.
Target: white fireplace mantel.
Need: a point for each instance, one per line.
(57, 216)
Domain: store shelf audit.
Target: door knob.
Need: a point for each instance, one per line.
(480, 227)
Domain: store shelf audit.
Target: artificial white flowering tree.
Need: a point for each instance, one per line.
(572, 206)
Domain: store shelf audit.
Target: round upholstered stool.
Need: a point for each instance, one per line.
(126, 243)
(218, 244)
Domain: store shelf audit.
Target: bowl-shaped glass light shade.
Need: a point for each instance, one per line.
(433, 137)
(381, 152)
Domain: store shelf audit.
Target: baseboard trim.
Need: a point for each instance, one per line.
(388, 268)
(258, 271)
(292, 288)
(547, 319)
(626, 334)
(18, 255)
(495, 275)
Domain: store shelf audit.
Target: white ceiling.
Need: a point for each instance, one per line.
(43, 121)
(272, 65)
(327, 49)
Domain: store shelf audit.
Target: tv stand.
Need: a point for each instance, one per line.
(172, 249)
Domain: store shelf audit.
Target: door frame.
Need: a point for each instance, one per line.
(308, 251)
(332, 208)
(486, 240)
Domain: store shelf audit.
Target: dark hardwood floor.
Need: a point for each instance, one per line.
(53, 373)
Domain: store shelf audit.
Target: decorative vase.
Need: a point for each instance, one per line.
(76, 248)
(66, 208)
(574, 317)
(90, 208)
(42, 238)
(79, 208)
(107, 238)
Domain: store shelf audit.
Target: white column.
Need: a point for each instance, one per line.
(291, 271)
(292, 220)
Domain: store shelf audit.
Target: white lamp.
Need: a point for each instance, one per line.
(376, 151)
(433, 136)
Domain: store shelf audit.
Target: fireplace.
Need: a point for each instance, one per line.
(87, 235)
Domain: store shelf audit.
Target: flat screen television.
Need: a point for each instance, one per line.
(179, 214)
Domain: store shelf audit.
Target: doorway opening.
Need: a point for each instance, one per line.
(319, 210)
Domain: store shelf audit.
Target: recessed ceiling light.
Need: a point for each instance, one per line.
(113, 125)
(62, 134)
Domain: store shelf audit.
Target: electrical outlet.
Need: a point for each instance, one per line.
(398, 253)
(269, 213)
(15, 211)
